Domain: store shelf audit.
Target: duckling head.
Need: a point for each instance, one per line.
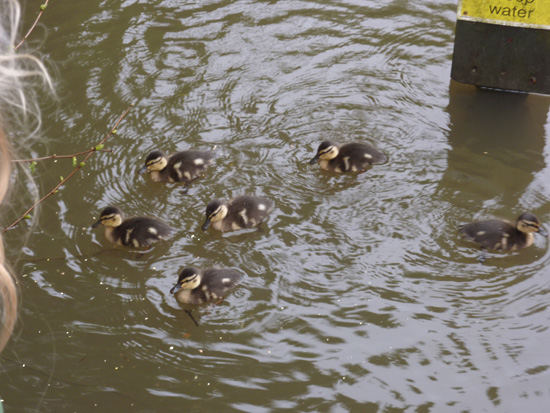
(110, 217)
(327, 150)
(155, 161)
(216, 210)
(189, 279)
(528, 222)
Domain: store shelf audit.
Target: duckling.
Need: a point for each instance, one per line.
(242, 212)
(197, 286)
(350, 157)
(136, 231)
(185, 166)
(501, 235)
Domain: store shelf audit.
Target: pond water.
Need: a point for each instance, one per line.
(359, 294)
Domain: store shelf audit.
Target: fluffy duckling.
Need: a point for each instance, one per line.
(136, 231)
(185, 166)
(242, 212)
(198, 286)
(350, 157)
(501, 235)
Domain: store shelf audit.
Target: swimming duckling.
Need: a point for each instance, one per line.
(185, 166)
(196, 286)
(135, 231)
(501, 235)
(242, 212)
(350, 157)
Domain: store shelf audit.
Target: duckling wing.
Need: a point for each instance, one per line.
(143, 231)
(491, 234)
(187, 165)
(358, 157)
(249, 211)
(216, 283)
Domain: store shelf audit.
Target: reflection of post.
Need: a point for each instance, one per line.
(497, 141)
(503, 44)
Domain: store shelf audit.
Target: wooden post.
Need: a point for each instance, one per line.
(503, 44)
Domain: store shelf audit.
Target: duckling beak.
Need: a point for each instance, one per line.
(542, 232)
(175, 288)
(96, 224)
(314, 160)
(143, 169)
(206, 224)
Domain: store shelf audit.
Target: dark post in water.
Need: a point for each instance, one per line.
(503, 44)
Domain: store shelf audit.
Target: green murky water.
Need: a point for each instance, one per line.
(359, 295)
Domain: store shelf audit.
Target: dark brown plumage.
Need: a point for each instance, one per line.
(502, 235)
(184, 166)
(240, 213)
(198, 286)
(135, 232)
(350, 157)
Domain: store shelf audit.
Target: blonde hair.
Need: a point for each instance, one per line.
(19, 112)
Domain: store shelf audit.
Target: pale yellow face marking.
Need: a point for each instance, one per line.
(219, 214)
(330, 153)
(157, 164)
(527, 226)
(112, 220)
(192, 282)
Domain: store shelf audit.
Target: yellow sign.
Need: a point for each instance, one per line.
(523, 13)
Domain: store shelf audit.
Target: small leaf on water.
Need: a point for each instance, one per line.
(60, 178)
(82, 164)
(43, 6)
(114, 131)
(74, 160)
(99, 147)
(27, 217)
(32, 166)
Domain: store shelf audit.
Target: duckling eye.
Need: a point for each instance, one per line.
(216, 212)
(153, 161)
(188, 279)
